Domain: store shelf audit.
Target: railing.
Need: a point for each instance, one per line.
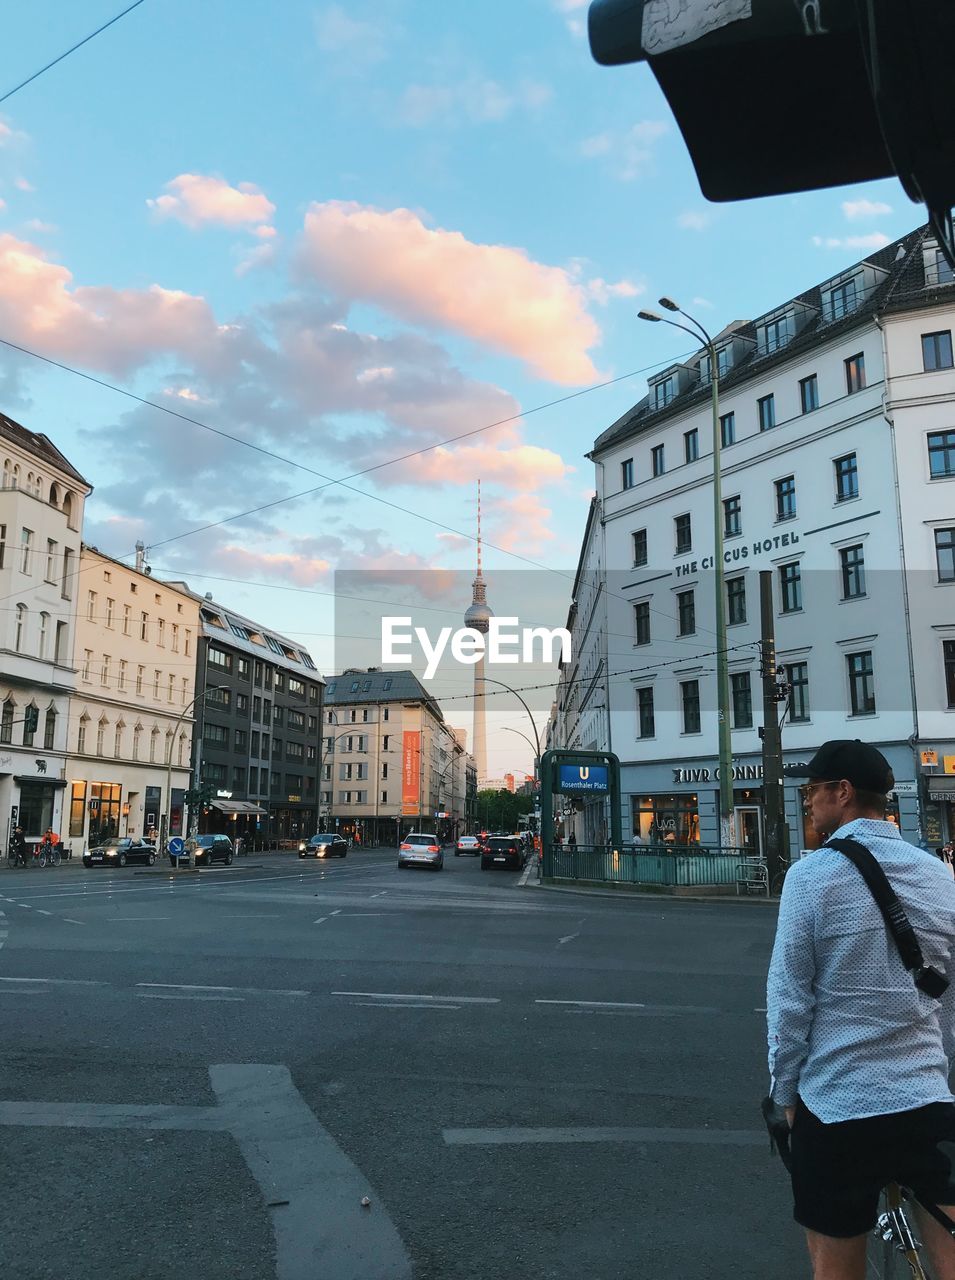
(684, 866)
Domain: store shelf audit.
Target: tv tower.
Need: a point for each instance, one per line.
(478, 616)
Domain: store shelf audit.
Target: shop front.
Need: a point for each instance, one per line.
(939, 808)
(238, 819)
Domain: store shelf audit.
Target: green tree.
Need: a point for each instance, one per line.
(500, 810)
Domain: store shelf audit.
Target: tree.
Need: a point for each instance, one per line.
(500, 810)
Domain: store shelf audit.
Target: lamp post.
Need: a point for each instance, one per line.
(508, 729)
(537, 740)
(167, 816)
(722, 665)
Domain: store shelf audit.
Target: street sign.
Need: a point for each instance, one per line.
(584, 777)
(177, 846)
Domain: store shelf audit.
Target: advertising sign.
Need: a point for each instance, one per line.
(410, 771)
(584, 777)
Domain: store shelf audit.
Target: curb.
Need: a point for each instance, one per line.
(624, 892)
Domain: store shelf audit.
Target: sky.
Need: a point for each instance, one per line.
(346, 236)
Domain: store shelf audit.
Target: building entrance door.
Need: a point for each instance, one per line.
(749, 831)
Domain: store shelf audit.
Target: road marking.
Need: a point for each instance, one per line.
(249, 991)
(336, 913)
(527, 871)
(759, 1010)
(3, 929)
(108, 1115)
(59, 982)
(187, 995)
(380, 895)
(392, 995)
(595, 1004)
(41, 912)
(131, 919)
(320, 920)
(686, 1137)
(67, 920)
(364, 915)
(570, 937)
(404, 1004)
(321, 1228)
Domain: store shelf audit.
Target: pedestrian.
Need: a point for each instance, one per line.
(858, 1059)
(572, 840)
(19, 846)
(948, 857)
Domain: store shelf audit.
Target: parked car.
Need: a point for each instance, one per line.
(116, 853)
(506, 850)
(467, 844)
(209, 849)
(324, 846)
(420, 849)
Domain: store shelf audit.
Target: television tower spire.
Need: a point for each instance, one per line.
(478, 617)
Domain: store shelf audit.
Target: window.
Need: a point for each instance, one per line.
(105, 671)
(280, 681)
(645, 727)
(786, 498)
(109, 612)
(736, 601)
(937, 350)
(161, 633)
(385, 713)
(137, 739)
(766, 410)
(218, 697)
(684, 534)
(278, 718)
(241, 739)
(254, 744)
(847, 477)
(384, 771)
(87, 662)
(81, 735)
(267, 711)
(171, 690)
(127, 616)
(686, 610)
(216, 735)
(77, 808)
(790, 586)
(244, 668)
(66, 590)
(691, 445)
(640, 544)
(100, 738)
(809, 393)
(6, 723)
(663, 393)
(384, 742)
(742, 697)
(861, 683)
(941, 454)
(219, 658)
(175, 637)
(296, 687)
(774, 335)
(26, 545)
(49, 729)
(944, 555)
(140, 673)
(296, 720)
(21, 623)
(727, 429)
(118, 740)
(936, 272)
(277, 748)
(840, 301)
(797, 676)
(62, 643)
(732, 516)
(852, 563)
(28, 733)
(242, 704)
(690, 703)
(144, 626)
(948, 659)
(626, 474)
(42, 635)
(153, 745)
(658, 460)
(238, 778)
(855, 373)
(121, 683)
(188, 649)
(50, 560)
(91, 606)
(641, 622)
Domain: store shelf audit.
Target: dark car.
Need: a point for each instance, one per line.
(209, 849)
(324, 846)
(503, 851)
(116, 853)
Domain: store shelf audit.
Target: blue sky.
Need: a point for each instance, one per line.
(344, 233)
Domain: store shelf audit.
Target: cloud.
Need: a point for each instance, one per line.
(21, 184)
(474, 98)
(629, 151)
(336, 31)
(694, 219)
(496, 459)
(494, 294)
(703, 302)
(205, 200)
(3, 204)
(602, 291)
(866, 243)
(855, 210)
(9, 136)
(40, 227)
(521, 524)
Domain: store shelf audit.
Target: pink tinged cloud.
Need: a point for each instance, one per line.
(198, 200)
(521, 467)
(494, 294)
(303, 570)
(114, 329)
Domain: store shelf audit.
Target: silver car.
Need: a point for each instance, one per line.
(420, 849)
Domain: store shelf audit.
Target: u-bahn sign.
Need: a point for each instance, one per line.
(583, 777)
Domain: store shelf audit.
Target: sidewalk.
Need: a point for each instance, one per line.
(622, 891)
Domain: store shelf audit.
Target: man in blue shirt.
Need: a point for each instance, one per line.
(858, 1056)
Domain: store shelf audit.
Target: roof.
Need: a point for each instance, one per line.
(237, 629)
(901, 286)
(41, 446)
(356, 685)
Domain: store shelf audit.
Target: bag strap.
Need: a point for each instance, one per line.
(927, 979)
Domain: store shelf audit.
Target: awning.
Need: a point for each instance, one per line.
(41, 779)
(236, 806)
(941, 788)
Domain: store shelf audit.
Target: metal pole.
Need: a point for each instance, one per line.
(776, 833)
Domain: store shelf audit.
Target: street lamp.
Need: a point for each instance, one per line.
(167, 816)
(722, 665)
(508, 729)
(537, 741)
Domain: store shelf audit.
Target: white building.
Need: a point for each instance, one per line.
(838, 475)
(131, 716)
(41, 515)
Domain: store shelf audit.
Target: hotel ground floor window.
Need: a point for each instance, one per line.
(665, 819)
(78, 809)
(104, 810)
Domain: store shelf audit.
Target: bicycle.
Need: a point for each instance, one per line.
(893, 1250)
(48, 855)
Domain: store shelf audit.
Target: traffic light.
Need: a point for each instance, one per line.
(31, 720)
(777, 96)
(192, 797)
(205, 793)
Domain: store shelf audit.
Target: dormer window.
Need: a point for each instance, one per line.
(663, 393)
(840, 301)
(937, 270)
(775, 334)
(724, 362)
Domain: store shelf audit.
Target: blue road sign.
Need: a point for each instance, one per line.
(176, 846)
(584, 777)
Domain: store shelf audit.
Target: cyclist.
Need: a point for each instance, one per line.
(858, 1056)
(18, 845)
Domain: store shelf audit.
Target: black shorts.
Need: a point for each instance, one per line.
(838, 1170)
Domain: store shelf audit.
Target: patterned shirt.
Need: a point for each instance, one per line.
(849, 1032)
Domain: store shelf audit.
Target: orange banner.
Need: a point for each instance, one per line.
(410, 771)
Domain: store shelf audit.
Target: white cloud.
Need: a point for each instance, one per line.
(629, 152)
(40, 227)
(197, 199)
(21, 184)
(337, 32)
(703, 302)
(598, 145)
(473, 98)
(868, 243)
(857, 209)
(601, 291)
(694, 219)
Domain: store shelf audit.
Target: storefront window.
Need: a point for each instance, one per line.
(104, 814)
(36, 807)
(78, 809)
(667, 819)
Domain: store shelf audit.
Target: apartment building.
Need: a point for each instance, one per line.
(837, 425)
(41, 516)
(392, 764)
(131, 716)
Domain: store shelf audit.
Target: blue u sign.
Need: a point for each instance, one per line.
(584, 777)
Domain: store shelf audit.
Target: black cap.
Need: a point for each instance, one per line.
(858, 762)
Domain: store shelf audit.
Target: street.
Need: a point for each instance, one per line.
(204, 1075)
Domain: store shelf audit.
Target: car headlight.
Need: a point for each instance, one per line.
(302, 848)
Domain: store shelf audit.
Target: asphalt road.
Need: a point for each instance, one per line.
(204, 1075)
